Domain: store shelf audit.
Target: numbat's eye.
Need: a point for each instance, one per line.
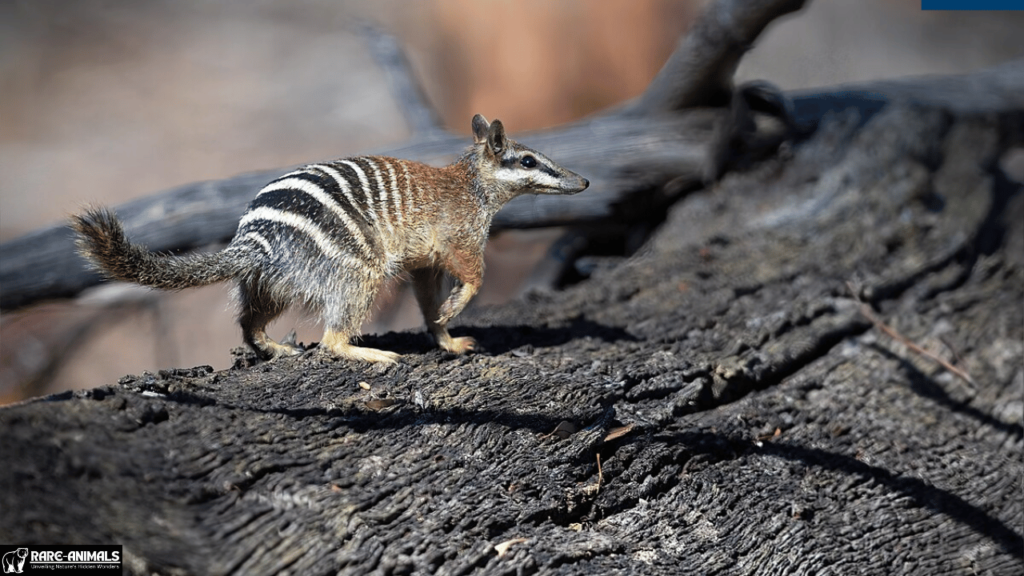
(528, 162)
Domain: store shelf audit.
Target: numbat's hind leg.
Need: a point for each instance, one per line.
(338, 345)
(258, 310)
(342, 317)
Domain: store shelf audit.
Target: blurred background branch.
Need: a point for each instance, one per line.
(700, 71)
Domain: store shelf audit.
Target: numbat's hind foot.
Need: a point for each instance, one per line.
(373, 355)
(338, 346)
(287, 347)
(267, 349)
(284, 350)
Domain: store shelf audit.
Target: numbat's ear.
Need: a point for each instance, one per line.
(496, 138)
(480, 127)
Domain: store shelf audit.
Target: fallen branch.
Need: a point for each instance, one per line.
(865, 311)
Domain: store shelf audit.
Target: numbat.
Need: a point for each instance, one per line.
(329, 236)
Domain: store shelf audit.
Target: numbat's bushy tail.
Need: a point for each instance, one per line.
(102, 241)
(328, 236)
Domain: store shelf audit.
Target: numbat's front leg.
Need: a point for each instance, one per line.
(466, 264)
(458, 299)
(427, 283)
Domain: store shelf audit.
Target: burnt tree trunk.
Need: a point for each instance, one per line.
(720, 403)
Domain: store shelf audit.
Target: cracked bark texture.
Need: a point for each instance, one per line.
(773, 429)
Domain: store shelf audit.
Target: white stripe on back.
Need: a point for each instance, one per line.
(300, 223)
(259, 239)
(342, 185)
(382, 190)
(396, 194)
(318, 194)
(365, 186)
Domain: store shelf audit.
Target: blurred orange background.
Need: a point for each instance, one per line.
(103, 101)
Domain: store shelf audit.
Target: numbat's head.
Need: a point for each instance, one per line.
(507, 169)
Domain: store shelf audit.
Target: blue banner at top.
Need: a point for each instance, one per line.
(972, 4)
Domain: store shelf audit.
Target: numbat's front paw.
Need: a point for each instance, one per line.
(459, 345)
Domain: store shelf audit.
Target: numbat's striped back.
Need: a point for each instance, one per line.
(346, 208)
(330, 235)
